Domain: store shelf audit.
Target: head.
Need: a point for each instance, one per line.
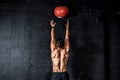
(60, 43)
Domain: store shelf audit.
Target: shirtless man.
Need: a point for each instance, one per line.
(59, 54)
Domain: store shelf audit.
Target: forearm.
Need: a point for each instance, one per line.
(52, 33)
(67, 33)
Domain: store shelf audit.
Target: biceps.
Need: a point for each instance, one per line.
(67, 47)
(67, 44)
(52, 45)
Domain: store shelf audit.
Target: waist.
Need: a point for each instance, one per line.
(60, 72)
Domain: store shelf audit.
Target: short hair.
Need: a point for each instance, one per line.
(60, 43)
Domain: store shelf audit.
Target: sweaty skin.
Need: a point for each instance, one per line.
(59, 55)
(59, 59)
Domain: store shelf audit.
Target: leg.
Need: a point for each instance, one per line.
(65, 76)
(55, 77)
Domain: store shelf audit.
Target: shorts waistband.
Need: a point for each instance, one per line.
(59, 72)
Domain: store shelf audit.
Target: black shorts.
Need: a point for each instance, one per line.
(60, 76)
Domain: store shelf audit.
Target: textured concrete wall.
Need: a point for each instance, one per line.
(25, 39)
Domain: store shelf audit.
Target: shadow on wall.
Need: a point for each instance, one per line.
(82, 56)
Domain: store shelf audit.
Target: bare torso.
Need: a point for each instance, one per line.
(59, 59)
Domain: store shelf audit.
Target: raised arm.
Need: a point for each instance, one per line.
(52, 44)
(67, 44)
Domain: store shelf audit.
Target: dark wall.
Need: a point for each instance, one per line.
(25, 38)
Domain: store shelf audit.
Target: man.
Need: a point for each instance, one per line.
(60, 53)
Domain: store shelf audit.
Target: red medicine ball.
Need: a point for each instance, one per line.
(61, 11)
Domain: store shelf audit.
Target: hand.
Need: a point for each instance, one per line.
(67, 24)
(52, 23)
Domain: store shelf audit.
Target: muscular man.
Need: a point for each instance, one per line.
(59, 54)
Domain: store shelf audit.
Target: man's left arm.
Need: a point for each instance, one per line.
(52, 44)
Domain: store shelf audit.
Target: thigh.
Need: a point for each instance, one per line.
(65, 77)
(55, 77)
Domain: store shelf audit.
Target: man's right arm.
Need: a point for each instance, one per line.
(67, 44)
